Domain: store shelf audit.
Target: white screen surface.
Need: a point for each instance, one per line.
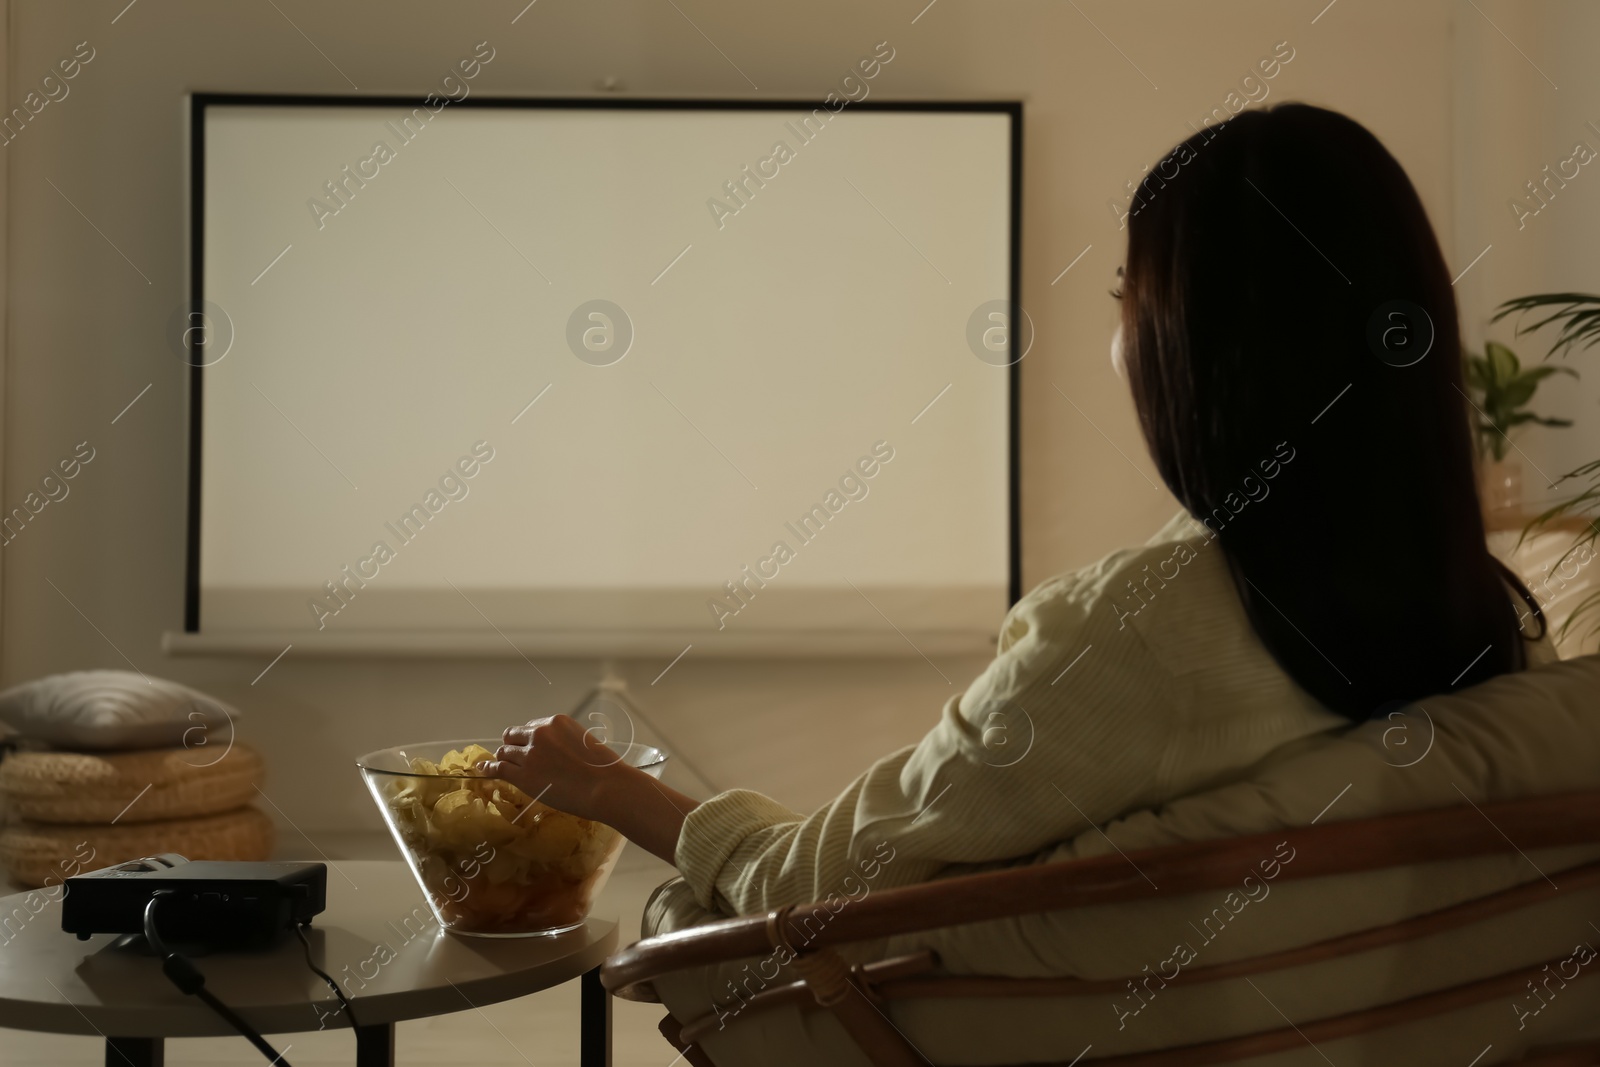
(430, 315)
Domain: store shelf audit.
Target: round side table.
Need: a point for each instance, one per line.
(377, 939)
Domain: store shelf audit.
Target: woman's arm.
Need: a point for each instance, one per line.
(1038, 748)
(562, 764)
(646, 812)
(1045, 743)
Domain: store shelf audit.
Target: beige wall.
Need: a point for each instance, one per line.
(1520, 113)
(86, 332)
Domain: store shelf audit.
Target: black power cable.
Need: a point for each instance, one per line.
(349, 1012)
(187, 977)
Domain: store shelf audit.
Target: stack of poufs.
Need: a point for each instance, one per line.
(67, 812)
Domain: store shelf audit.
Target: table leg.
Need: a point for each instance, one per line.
(375, 1045)
(594, 1022)
(135, 1052)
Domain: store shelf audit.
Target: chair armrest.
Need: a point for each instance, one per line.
(1335, 848)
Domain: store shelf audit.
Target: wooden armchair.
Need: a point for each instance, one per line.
(854, 994)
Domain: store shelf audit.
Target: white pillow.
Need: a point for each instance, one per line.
(115, 710)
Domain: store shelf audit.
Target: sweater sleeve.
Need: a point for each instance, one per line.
(1065, 729)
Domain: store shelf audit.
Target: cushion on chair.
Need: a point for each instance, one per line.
(115, 710)
(1525, 734)
(1534, 732)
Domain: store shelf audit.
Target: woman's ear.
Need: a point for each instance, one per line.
(1117, 363)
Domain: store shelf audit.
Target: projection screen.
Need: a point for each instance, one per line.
(585, 374)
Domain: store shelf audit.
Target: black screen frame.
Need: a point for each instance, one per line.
(199, 102)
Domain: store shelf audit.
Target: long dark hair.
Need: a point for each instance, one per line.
(1281, 283)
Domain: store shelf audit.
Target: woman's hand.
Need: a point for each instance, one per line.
(558, 762)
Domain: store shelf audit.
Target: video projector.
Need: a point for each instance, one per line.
(215, 903)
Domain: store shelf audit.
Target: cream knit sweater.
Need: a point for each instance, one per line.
(1115, 688)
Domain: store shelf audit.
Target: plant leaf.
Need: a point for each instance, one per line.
(1503, 363)
(1578, 313)
(1517, 391)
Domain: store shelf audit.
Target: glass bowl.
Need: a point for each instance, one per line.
(493, 861)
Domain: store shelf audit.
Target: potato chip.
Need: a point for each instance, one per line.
(464, 761)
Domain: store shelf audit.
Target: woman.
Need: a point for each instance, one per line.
(1288, 329)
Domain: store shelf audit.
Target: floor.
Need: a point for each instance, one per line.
(535, 1031)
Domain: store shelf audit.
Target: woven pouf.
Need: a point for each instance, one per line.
(130, 787)
(71, 812)
(36, 854)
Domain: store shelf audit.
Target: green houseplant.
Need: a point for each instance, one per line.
(1502, 388)
(1577, 318)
